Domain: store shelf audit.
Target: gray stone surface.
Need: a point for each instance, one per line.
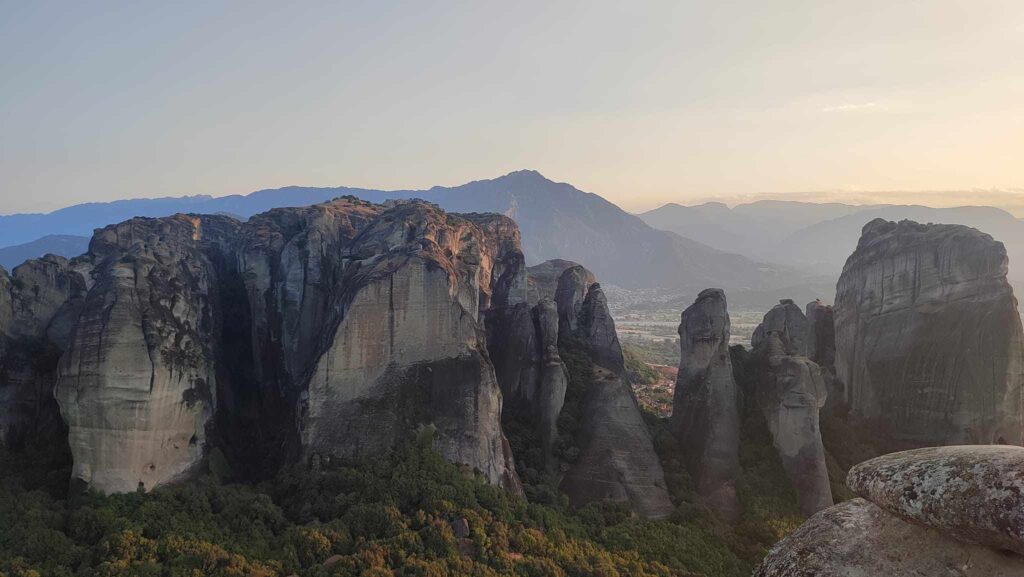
(972, 493)
(329, 331)
(788, 321)
(859, 539)
(543, 279)
(137, 385)
(597, 329)
(705, 414)
(928, 337)
(37, 304)
(573, 285)
(617, 461)
(821, 334)
(790, 394)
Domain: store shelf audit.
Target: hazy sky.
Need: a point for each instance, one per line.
(642, 102)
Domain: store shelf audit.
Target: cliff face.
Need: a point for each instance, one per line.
(705, 414)
(313, 333)
(928, 337)
(37, 307)
(408, 348)
(617, 461)
(821, 334)
(790, 393)
(788, 322)
(137, 383)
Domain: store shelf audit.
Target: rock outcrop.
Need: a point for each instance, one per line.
(617, 461)
(572, 289)
(790, 393)
(821, 334)
(314, 333)
(597, 329)
(857, 538)
(705, 414)
(788, 321)
(137, 385)
(972, 493)
(543, 279)
(37, 307)
(403, 343)
(928, 337)
(937, 511)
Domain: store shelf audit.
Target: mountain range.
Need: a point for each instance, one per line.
(820, 237)
(758, 251)
(556, 219)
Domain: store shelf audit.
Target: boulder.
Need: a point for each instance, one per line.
(705, 416)
(859, 539)
(971, 493)
(790, 394)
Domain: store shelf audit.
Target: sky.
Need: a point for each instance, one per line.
(641, 102)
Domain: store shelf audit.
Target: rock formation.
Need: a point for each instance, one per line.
(617, 461)
(821, 334)
(37, 307)
(939, 511)
(543, 279)
(597, 329)
(790, 393)
(330, 331)
(858, 538)
(788, 321)
(972, 493)
(705, 415)
(573, 286)
(928, 337)
(403, 345)
(137, 385)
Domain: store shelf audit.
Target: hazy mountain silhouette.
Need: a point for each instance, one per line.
(820, 237)
(58, 244)
(557, 221)
(753, 229)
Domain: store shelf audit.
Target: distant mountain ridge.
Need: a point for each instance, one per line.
(59, 244)
(821, 236)
(557, 220)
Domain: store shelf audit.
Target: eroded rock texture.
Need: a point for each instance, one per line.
(137, 383)
(314, 333)
(859, 539)
(543, 279)
(788, 321)
(573, 286)
(403, 344)
(972, 493)
(790, 393)
(821, 334)
(928, 337)
(38, 305)
(705, 414)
